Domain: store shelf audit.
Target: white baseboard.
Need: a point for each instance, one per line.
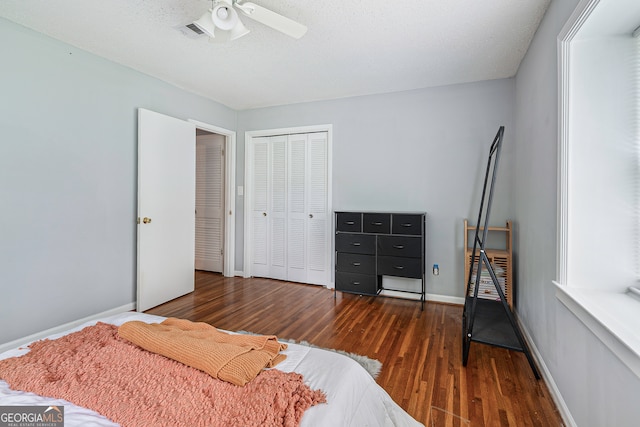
(405, 295)
(445, 299)
(428, 297)
(61, 328)
(397, 294)
(546, 375)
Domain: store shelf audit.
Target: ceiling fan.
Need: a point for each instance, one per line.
(223, 16)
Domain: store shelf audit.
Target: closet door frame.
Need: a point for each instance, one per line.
(248, 191)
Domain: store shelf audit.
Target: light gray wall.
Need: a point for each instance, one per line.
(68, 178)
(598, 389)
(68, 170)
(421, 150)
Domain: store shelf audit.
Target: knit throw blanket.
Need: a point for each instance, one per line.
(233, 358)
(97, 369)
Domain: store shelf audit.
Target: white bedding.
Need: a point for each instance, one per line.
(353, 396)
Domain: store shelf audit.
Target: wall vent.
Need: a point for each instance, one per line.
(190, 30)
(194, 28)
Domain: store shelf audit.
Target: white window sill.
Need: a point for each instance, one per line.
(613, 317)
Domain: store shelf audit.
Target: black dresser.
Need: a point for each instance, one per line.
(370, 245)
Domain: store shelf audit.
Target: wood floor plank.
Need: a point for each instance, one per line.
(421, 351)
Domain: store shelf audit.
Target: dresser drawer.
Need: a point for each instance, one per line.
(349, 221)
(376, 223)
(407, 224)
(356, 263)
(356, 243)
(403, 267)
(357, 283)
(400, 246)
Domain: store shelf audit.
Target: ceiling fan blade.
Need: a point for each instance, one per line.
(272, 19)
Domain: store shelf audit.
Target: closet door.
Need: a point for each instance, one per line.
(290, 224)
(277, 215)
(269, 207)
(259, 207)
(318, 219)
(296, 217)
(307, 231)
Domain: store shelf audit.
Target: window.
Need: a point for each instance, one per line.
(599, 172)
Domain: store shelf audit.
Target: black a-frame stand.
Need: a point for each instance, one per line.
(483, 320)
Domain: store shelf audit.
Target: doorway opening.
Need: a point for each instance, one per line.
(215, 199)
(210, 209)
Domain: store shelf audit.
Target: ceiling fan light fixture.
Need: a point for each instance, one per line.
(238, 31)
(247, 9)
(272, 19)
(206, 25)
(224, 16)
(222, 12)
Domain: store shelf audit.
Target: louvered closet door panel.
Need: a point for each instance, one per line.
(296, 221)
(209, 203)
(317, 216)
(260, 207)
(208, 256)
(278, 207)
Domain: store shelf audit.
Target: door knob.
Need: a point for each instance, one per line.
(146, 220)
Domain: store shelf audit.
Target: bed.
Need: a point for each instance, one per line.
(353, 397)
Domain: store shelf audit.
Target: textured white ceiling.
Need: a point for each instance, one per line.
(352, 47)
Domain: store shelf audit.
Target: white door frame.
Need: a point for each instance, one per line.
(229, 256)
(248, 191)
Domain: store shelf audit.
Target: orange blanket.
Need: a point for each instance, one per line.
(234, 358)
(98, 370)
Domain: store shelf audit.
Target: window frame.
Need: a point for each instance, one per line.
(606, 307)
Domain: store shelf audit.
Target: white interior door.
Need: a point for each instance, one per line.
(296, 217)
(308, 218)
(166, 205)
(317, 215)
(277, 215)
(270, 207)
(259, 167)
(209, 202)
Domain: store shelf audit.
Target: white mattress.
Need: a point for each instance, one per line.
(353, 396)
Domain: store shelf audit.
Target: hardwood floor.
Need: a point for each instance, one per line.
(420, 350)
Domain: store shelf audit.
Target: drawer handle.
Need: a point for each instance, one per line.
(355, 244)
(350, 222)
(378, 224)
(407, 224)
(356, 264)
(398, 267)
(355, 283)
(398, 246)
